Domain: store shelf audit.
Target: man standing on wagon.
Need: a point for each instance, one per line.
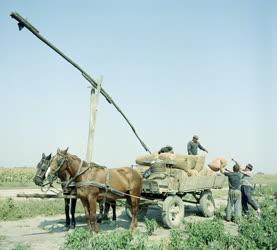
(193, 146)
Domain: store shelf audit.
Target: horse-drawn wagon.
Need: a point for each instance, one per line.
(170, 190)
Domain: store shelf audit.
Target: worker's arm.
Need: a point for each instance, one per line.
(224, 171)
(248, 173)
(202, 148)
(189, 148)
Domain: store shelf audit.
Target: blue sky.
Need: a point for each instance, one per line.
(176, 68)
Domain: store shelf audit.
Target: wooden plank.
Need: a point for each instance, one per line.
(45, 196)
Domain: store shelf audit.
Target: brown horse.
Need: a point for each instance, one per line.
(95, 182)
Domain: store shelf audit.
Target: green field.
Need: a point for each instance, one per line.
(17, 177)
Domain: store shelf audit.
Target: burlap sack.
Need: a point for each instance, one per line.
(218, 164)
(189, 162)
(200, 162)
(203, 172)
(184, 162)
(192, 172)
(177, 173)
(206, 172)
(167, 157)
(210, 172)
(147, 159)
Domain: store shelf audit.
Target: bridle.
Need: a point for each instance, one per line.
(44, 167)
(52, 177)
(60, 164)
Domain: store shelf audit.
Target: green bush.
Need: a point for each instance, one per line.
(151, 226)
(21, 246)
(123, 239)
(262, 231)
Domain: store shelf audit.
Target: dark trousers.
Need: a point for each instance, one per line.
(247, 198)
(234, 203)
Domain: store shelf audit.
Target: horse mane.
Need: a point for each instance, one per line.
(93, 164)
(86, 164)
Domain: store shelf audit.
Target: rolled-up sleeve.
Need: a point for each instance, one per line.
(201, 147)
(189, 148)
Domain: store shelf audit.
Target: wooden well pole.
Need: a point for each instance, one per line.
(94, 100)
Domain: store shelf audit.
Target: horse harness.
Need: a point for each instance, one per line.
(72, 183)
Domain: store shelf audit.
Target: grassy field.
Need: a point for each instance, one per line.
(17, 177)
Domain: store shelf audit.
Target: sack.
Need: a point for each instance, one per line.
(218, 164)
(206, 172)
(189, 162)
(193, 172)
(184, 162)
(177, 174)
(167, 157)
(147, 159)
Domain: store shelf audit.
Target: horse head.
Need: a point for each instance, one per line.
(42, 168)
(58, 165)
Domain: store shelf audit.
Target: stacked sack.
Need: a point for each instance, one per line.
(193, 165)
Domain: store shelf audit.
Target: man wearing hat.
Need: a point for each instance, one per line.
(194, 145)
(247, 189)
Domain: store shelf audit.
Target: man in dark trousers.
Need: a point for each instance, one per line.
(247, 189)
(234, 194)
(194, 145)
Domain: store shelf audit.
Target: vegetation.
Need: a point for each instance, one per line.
(151, 226)
(11, 209)
(17, 177)
(253, 233)
(21, 246)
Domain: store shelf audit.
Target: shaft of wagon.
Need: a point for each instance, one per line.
(24, 23)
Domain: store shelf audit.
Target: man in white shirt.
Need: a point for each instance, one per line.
(247, 189)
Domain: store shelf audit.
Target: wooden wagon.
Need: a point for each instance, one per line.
(170, 194)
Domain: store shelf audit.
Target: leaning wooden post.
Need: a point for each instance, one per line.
(94, 99)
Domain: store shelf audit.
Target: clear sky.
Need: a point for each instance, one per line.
(176, 68)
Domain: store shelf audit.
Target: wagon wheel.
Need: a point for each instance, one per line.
(207, 204)
(173, 211)
(141, 213)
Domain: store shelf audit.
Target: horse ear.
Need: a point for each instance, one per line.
(48, 157)
(65, 151)
(43, 155)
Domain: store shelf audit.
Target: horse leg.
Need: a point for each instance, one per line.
(106, 211)
(66, 210)
(92, 200)
(101, 208)
(113, 204)
(86, 208)
(135, 209)
(73, 208)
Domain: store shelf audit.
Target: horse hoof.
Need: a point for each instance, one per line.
(66, 227)
(106, 219)
(72, 226)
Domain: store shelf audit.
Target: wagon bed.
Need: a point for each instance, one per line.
(189, 184)
(170, 193)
